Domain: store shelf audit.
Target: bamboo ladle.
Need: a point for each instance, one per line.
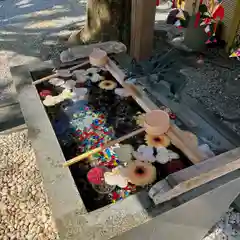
(47, 78)
(156, 123)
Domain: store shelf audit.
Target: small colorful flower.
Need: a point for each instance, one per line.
(107, 85)
(49, 101)
(157, 141)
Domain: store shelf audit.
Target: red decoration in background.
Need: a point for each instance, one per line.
(157, 2)
(218, 13)
(198, 16)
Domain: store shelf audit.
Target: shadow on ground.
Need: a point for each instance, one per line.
(30, 30)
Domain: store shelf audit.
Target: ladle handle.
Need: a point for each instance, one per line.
(44, 79)
(55, 74)
(184, 145)
(99, 149)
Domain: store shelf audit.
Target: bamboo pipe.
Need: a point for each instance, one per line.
(99, 149)
(56, 75)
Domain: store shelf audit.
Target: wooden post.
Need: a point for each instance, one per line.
(234, 27)
(142, 28)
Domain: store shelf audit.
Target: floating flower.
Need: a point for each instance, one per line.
(141, 173)
(116, 178)
(81, 78)
(140, 118)
(63, 73)
(70, 84)
(107, 85)
(157, 141)
(145, 154)
(66, 94)
(122, 92)
(93, 70)
(165, 155)
(79, 94)
(56, 82)
(80, 72)
(96, 175)
(124, 152)
(50, 101)
(45, 93)
(96, 78)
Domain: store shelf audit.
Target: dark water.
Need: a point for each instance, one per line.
(118, 114)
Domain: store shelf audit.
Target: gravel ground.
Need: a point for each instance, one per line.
(217, 88)
(25, 213)
(24, 209)
(228, 228)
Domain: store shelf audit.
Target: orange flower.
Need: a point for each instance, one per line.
(107, 85)
(141, 173)
(157, 141)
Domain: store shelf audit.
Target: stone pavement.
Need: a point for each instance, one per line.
(31, 30)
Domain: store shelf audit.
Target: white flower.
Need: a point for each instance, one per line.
(80, 72)
(49, 101)
(124, 152)
(81, 78)
(116, 178)
(95, 78)
(79, 94)
(144, 153)
(164, 155)
(70, 84)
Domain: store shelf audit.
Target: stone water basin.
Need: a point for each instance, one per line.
(79, 209)
(100, 114)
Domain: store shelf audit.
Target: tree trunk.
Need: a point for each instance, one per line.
(106, 20)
